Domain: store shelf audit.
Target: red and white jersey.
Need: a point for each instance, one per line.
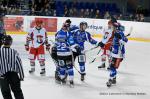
(108, 36)
(37, 37)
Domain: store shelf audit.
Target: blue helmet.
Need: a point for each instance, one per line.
(121, 28)
(83, 23)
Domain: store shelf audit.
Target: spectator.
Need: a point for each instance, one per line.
(107, 15)
(92, 13)
(54, 14)
(66, 11)
(47, 12)
(71, 13)
(131, 17)
(137, 17)
(141, 18)
(32, 11)
(97, 15)
(48, 8)
(81, 13)
(87, 13)
(120, 17)
(75, 13)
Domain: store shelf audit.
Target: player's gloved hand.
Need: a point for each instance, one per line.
(78, 49)
(110, 49)
(117, 35)
(48, 47)
(101, 44)
(26, 47)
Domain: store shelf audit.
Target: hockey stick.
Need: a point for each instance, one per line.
(74, 64)
(72, 59)
(91, 49)
(95, 57)
(130, 31)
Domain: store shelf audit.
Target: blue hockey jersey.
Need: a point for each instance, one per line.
(64, 41)
(118, 46)
(81, 36)
(73, 28)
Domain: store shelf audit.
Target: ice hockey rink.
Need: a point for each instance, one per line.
(133, 81)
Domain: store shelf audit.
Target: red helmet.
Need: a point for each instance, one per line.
(38, 22)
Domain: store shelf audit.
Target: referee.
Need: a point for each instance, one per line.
(11, 71)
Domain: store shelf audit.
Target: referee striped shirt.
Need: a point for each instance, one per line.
(10, 61)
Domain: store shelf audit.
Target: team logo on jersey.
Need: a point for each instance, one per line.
(39, 39)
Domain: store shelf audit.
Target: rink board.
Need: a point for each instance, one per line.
(96, 36)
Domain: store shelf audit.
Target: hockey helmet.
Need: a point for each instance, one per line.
(38, 22)
(68, 21)
(84, 23)
(7, 40)
(121, 28)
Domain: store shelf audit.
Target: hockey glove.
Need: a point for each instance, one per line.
(48, 47)
(117, 35)
(78, 49)
(101, 44)
(26, 47)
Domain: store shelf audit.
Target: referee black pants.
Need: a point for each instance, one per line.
(10, 81)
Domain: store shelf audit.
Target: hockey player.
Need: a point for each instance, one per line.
(35, 41)
(107, 40)
(71, 27)
(80, 37)
(117, 53)
(64, 42)
(54, 49)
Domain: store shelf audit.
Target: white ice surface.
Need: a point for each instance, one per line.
(133, 76)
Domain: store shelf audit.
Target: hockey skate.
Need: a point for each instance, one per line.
(57, 78)
(108, 68)
(111, 82)
(32, 70)
(71, 83)
(83, 76)
(63, 81)
(43, 72)
(102, 66)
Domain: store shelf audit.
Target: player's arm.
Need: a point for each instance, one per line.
(46, 42)
(28, 39)
(75, 47)
(123, 39)
(106, 37)
(94, 42)
(90, 39)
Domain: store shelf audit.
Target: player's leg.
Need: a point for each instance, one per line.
(55, 60)
(115, 63)
(82, 60)
(103, 60)
(32, 57)
(109, 59)
(70, 72)
(62, 71)
(41, 58)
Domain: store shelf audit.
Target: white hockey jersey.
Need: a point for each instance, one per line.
(37, 37)
(108, 36)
